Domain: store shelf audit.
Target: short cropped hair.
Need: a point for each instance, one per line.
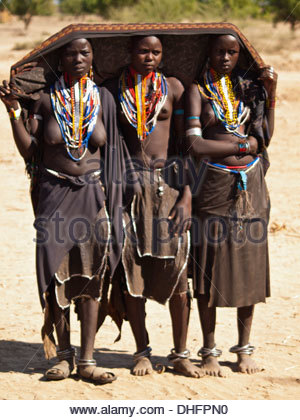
(136, 38)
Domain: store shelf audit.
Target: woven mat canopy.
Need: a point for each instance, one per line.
(184, 51)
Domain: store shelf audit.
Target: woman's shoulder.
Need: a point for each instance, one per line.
(174, 83)
(194, 88)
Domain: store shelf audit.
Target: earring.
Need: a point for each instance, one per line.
(91, 73)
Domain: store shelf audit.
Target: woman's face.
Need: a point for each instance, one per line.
(224, 54)
(146, 54)
(77, 58)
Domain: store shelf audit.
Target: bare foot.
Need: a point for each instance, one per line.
(210, 366)
(247, 365)
(142, 367)
(186, 367)
(96, 375)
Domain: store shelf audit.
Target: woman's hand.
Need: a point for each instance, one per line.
(181, 213)
(253, 145)
(7, 97)
(269, 78)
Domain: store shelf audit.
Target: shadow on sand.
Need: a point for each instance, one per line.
(28, 358)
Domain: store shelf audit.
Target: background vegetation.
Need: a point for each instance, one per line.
(287, 11)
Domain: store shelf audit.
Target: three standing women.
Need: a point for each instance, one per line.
(230, 119)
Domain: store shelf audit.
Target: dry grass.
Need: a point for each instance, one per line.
(19, 46)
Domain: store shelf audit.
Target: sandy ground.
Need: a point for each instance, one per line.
(276, 324)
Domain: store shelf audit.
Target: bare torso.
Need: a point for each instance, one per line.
(213, 129)
(153, 151)
(55, 155)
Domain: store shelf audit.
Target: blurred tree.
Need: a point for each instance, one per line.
(26, 9)
(78, 7)
(104, 6)
(232, 8)
(287, 11)
(166, 10)
(101, 7)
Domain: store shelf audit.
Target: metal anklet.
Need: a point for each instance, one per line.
(175, 357)
(247, 349)
(144, 353)
(205, 351)
(86, 362)
(66, 354)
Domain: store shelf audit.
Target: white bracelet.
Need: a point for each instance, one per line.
(34, 140)
(36, 117)
(15, 113)
(196, 131)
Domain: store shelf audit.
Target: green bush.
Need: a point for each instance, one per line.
(287, 11)
(229, 9)
(26, 9)
(78, 7)
(179, 10)
(166, 10)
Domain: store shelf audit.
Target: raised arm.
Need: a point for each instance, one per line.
(269, 78)
(23, 140)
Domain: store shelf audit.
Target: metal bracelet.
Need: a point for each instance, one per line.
(244, 147)
(66, 354)
(175, 357)
(144, 353)
(86, 362)
(247, 349)
(204, 352)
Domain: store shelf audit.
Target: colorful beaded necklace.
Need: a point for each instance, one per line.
(141, 109)
(76, 104)
(230, 111)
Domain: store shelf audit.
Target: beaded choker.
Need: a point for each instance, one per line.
(141, 109)
(230, 111)
(76, 104)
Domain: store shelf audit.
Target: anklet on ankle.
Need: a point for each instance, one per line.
(93, 375)
(66, 354)
(141, 354)
(205, 351)
(175, 357)
(86, 362)
(62, 370)
(247, 349)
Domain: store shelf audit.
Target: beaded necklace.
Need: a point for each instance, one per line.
(141, 109)
(76, 104)
(230, 111)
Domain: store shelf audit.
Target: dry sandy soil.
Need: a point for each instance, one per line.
(276, 323)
